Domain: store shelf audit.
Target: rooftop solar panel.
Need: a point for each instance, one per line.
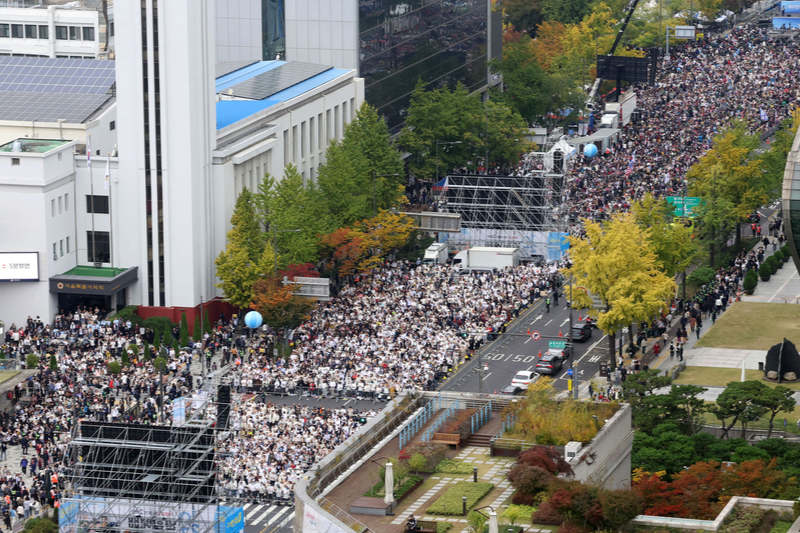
(226, 67)
(45, 107)
(56, 75)
(276, 80)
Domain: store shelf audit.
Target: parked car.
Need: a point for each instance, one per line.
(548, 364)
(581, 332)
(523, 378)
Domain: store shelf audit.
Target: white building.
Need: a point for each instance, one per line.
(52, 31)
(187, 146)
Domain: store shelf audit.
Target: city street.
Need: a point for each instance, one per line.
(515, 350)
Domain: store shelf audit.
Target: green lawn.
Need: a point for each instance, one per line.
(709, 376)
(754, 326)
(449, 503)
(5, 375)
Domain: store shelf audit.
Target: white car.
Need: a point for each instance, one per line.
(523, 378)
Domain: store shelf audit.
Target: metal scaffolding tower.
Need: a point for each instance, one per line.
(525, 202)
(139, 478)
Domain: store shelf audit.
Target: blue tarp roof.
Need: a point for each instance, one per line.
(232, 111)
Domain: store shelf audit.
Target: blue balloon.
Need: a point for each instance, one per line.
(590, 150)
(253, 319)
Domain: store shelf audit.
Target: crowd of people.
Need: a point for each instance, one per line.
(742, 74)
(399, 328)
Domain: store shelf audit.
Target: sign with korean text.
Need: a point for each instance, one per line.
(19, 266)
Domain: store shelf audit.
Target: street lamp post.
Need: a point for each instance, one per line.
(437, 153)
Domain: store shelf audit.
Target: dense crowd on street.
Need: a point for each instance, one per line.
(402, 327)
(738, 75)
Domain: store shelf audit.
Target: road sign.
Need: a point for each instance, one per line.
(558, 345)
(685, 206)
(570, 372)
(684, 32)
(536, 335)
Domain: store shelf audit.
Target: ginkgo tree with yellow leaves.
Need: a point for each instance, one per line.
(616, 263)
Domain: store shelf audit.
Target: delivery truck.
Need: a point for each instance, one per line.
(486, 258)
(436, 254)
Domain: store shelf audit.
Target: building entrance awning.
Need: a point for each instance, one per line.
(89, 280)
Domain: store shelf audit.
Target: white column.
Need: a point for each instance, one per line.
(493, 527)
(388, 485)
(51, 30)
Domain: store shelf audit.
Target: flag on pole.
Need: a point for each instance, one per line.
(632, 162)
(108, 173)
(88, 150)
(441, 185)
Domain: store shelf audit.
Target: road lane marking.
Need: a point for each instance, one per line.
(536, 319)
(592, 347)
(565, 321)
(486, 376)
(548, 322)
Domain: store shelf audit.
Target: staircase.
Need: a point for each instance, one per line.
(481, 440)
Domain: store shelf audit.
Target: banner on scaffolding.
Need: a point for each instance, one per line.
(80, 514)
(546, 245)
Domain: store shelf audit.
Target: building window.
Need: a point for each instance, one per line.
(16, 31)
(61, 33)
(352, 109)
(53, 207)
(74, 33)
(97, 247)
(97, 204)
(112, 125)
(311, 133)
(303, 139)
(285, 147)
(15, 161)
(60, 205)
(294, 143)
(67, 243)
(43, 32)
(61, 247)
(55, 255)
(5, 31)
(30, 31)
(88, 33)
(111, 29)
(66, 200)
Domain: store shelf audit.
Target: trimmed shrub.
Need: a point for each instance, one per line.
(547, 514)
(449, 503)
(773, 263)
(530, 479)
(764, 272)
(417, 462)
(515, 513)
(778, 255)
(750, 281)
(524, 498)
(700, 276)
(114, 368)
(31, 360)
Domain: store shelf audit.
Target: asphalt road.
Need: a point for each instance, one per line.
(515, 350)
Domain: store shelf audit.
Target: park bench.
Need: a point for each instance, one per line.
(447, 438)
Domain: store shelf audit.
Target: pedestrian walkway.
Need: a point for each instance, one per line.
(266, 517)
(782, 287)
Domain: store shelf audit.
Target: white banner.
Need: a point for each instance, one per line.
(84, 514)
(19, 266)
(315, 522)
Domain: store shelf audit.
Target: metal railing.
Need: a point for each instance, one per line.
(415, 424)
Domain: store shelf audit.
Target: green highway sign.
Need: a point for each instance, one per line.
(558, 345)
(685, 206)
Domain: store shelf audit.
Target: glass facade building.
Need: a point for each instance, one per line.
(791, 200)
(442, 42)
(273, 29)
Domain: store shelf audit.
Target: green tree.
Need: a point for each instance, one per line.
(750, 281)
(566, 11)
(126, 359)
(616, 264)
(53, 362)
(672, 242)
(236, 263)
(293, 216)
(146, 351)
(739, 402)
(41, 525)
(160, 364)
(417, 462)
(776, 400)
(523, 15)
(237, 274)
(114, 368)
(184, 330)
(31, 360)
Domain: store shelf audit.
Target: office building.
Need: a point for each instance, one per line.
(51, 31)
(393, 44)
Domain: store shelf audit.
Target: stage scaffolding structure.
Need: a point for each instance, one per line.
(139, 478)
(531, 201)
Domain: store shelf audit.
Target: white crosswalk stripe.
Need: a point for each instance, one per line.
(267, 515)
(287, 521)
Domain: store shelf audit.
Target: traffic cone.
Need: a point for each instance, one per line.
(579, 317)
(529, 332)
(540, 353)
(560, 334)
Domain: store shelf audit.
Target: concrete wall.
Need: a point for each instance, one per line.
(238, 30)
(323, 32)
(36, 212)
(606, 461)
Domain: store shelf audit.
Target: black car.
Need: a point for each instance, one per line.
(548, 364)
(581, 332)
